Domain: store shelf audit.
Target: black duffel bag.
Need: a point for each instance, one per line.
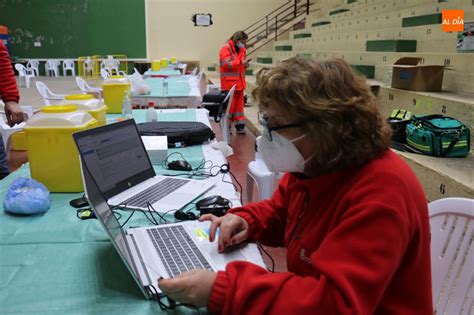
(179, 133)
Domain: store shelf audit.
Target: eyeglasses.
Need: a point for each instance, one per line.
(267, 131)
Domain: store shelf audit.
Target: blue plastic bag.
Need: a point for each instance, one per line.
(26, 196)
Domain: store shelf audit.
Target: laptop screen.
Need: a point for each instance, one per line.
(110, 223)
(115, 154)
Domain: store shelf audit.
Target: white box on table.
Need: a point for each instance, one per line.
(156, 147)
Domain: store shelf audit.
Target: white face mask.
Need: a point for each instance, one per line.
(281, 155)
(240, 45)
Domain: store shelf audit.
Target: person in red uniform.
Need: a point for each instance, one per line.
(350, 212)
(10, 96)
(232, 71)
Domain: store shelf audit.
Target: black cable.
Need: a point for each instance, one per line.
(159, 296)
(129, 217)
(150, 207)
(260, 247)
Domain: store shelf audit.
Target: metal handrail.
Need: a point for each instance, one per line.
(248, 27)
(256, 47)
(274, 24)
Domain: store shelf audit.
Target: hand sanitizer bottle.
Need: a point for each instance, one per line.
(151, 114)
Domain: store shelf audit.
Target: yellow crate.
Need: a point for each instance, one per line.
(156, 65)
(88, 103)
(19, 141)
(52, 154)
(114, 89)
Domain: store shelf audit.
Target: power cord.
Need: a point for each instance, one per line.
(158, 297)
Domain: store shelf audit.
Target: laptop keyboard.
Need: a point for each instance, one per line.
(156, 192)
(176, 250)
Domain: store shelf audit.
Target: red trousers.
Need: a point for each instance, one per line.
(236, 113)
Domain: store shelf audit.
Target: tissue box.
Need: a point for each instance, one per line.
(156, 147)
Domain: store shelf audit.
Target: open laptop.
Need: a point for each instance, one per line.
(164, 250)
(120, 165)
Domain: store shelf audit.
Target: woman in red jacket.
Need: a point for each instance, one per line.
(10, 96)
(232, 70)
(350, 212)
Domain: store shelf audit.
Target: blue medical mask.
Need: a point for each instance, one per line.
(240, 45)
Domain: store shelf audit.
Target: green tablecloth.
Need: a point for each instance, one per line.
(177, 87)
(54, 263)
(169, 72)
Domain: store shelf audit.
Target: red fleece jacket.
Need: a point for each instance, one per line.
(8, 89)
(358, 243)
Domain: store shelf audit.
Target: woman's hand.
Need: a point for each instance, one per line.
(192, 287)
(14, 113)
(232, 229)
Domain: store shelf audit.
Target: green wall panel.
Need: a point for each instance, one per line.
(73, 28)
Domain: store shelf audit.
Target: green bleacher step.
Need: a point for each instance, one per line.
(427, 19)
(338, 11)
(316, 24)
(249, 72)
(284, 48)
(305, 55)
(268, 60)
(351, 1)
(395, 45)
(211, 68)
(367, 71)
(301, 35)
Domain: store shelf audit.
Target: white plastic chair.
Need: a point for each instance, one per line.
(111, 65)
(104, 73)
(452, 255)
(47, 95)
(88, 67)
(87, 89)
(259, 174)
(33, 64)
(68, 65)
(194, 72)
(52, 65)
(23, 72)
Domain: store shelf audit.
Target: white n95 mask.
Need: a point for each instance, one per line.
(280, 154)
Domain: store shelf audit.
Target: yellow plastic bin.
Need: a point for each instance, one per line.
(53, 156)
(155, 65)
(164, 62)
(88, 103)
(173, 60)
(19, 141)
(114, 89)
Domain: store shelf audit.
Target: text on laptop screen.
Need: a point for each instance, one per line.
(115, 155)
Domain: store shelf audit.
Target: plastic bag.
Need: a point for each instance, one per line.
(222, 146)
(138, 85)
(26, 196)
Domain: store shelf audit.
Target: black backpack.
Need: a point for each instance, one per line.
(180, 133)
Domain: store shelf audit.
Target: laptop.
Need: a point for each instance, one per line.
(121, 167)
(164, 250)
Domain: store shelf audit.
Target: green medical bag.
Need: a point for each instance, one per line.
(438, 135)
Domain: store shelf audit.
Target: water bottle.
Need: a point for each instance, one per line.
(165, 86)
(151, 114)
(127, 106)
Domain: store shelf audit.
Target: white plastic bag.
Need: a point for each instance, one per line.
(138, 86)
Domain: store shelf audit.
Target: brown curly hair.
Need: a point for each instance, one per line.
(336, 108)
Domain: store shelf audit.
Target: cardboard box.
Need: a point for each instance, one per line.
(408, 74)
(156, 147)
